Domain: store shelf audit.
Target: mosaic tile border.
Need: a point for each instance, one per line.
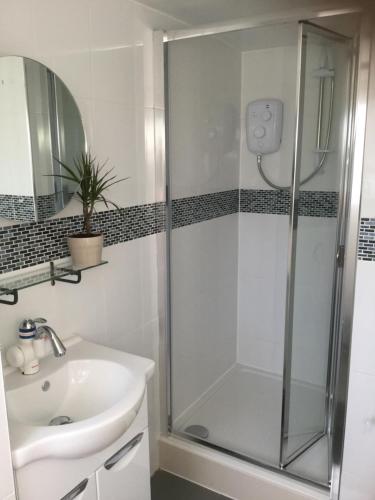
(190, 210)
(17, 207)
(26, 245)
(46, 206)
(366, 241)
(21, 208)
(318, 203)
(264, 201)
(311, 203)
(186, 211)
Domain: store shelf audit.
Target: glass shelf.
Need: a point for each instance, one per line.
(60, 272)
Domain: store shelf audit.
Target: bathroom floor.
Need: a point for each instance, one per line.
(242, 413)
(165, 486)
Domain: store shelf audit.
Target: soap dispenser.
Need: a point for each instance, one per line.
(22, 355)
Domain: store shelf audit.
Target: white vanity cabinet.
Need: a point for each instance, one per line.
(127, 473)
(121, 471)
(85, 490)
(6, 472)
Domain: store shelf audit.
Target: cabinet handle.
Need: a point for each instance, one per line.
(76, 491)
(123, 451)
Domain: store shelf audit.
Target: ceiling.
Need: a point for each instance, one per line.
(197, 12)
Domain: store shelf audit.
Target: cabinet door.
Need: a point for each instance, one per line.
(126, 474)
(85, 490)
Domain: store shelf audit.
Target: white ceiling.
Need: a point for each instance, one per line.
(197, 12)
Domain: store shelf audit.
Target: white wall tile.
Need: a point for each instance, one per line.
(269, 73)
(357, 475)
(112, 24)
(158, 66)
(358, 482)
(20, 40)
(363, 340)
(204, 103)
(314, 267)
(75, 71)
(114, 305)
(368, 186)
(111, 301)
(121, 142)
(60, 27)
(144, 67)
(204, 85)
(262, 272)
(113, 75)
(204, 306)
(102, 50)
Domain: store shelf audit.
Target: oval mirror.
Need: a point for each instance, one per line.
(40, 126)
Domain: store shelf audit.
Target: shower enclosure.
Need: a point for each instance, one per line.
(256, 241)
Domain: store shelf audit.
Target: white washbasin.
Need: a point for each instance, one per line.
(98, 388)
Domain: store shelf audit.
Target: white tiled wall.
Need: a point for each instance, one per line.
(204, 305)
(204, 87)
(115, 305)
(103, 51)
(262, 269)
(269, 73)
(358, 467)
(358, 481)
(263, 240)
(315, 260)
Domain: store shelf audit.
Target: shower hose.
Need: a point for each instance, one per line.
(326, 142)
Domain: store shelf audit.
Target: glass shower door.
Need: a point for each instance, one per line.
(315, 239)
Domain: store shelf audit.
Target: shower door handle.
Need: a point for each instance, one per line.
(340, 256)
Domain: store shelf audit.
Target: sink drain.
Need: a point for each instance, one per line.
(61, 420)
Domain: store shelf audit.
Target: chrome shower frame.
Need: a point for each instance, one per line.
(285, 459)
(327, 73)
(353, 183)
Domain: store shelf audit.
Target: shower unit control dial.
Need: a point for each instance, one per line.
(264, 119)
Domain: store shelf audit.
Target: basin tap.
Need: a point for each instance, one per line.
(46, 331)
(29, 349)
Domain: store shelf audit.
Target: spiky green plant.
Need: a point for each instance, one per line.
(93, 181)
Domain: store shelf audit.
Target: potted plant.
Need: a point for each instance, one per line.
(93, 181)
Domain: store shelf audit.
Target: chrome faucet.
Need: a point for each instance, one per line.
(46, 331)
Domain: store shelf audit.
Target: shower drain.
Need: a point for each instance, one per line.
(199, 431)
(61, 420)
